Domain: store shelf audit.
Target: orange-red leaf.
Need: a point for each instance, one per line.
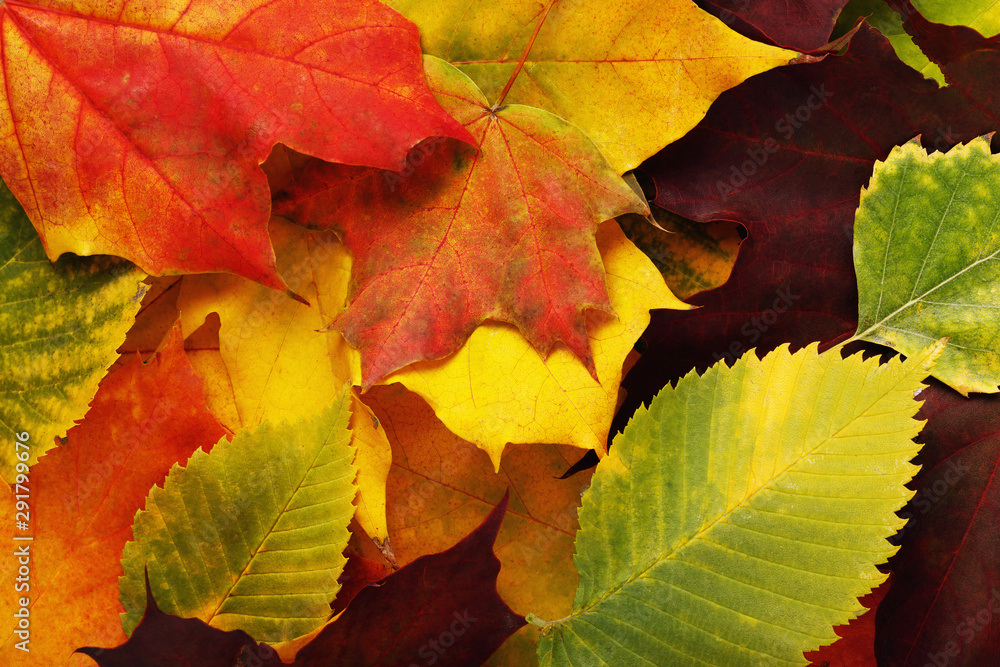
(503, 233)
(136, 127)
(83, 497)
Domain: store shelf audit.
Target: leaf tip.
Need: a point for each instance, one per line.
(296, 297)
(931, 354)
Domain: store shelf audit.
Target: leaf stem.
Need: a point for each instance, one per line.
(539, 623)
(524, 56)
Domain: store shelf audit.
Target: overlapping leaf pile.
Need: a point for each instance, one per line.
(394, 276)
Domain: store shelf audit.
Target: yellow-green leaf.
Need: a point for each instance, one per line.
(275, 363)
(60, 325)
(739, 518)
(927, 255)
(252, 534)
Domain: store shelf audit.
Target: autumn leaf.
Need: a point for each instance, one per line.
(944, 32)
(251, 535)
(137, 129)
(919, 276)
(505, 233)
(496, 389)
(803, 26)
(165, 640)
(691, 256)
(359, 573)
(83, 495)
(880, 16)
(945, 596)
(60, 325)
(791, 171)
(856, 646)
(156, 317)
(626, 73)
(273, 362)
(441, 487)
(443, 607)
(738, 518)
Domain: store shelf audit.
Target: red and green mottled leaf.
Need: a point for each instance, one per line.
(944, 602)
(505, 233)
(84, 494)
(136, 127)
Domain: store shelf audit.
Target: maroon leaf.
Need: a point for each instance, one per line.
(804, 25)
(944, 44)
(969, 63)
(359, 573)
(943, 607)
(856, 646)
(165, 640)
(441, 609)
(786, 153)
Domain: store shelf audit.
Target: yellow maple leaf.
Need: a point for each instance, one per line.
(635, 76)
(497, 389)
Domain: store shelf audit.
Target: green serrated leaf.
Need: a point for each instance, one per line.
(60, 327)
(252, 534)
(739, 518)
(927, 255)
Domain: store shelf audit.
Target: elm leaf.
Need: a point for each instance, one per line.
(60, 325)
(737, 519)
(927, 255)
(251, 535)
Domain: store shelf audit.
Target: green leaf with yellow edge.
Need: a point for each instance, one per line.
(629, 74)
(60, 325)
(274, 362)
(738, 518)
(497, 389)
(927, 255)
(251, 535)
